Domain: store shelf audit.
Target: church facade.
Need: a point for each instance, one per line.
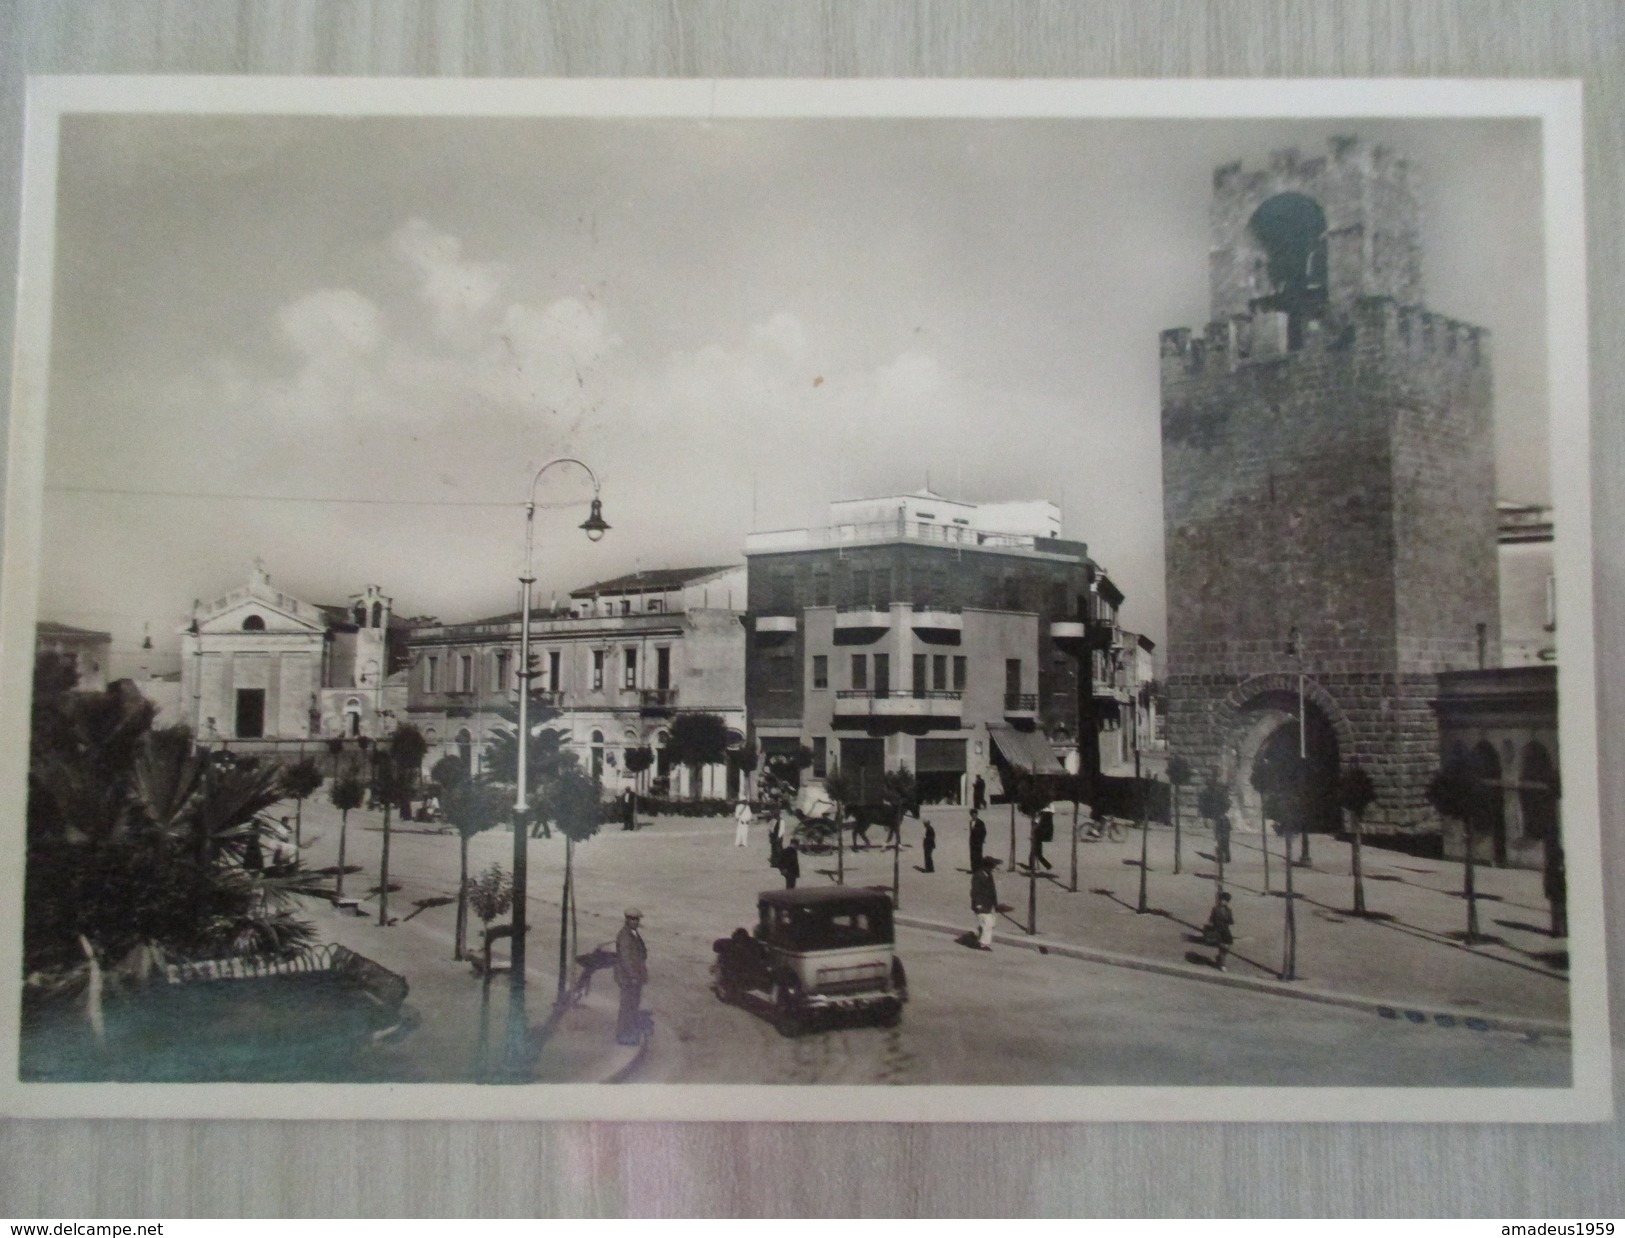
(261, 669)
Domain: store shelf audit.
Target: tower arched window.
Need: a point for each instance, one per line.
(254, 623)
(1291, 230)
(377, 614)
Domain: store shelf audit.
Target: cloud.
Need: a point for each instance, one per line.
(457, 292)
(330, 323)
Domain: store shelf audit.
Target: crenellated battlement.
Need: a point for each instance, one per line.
(1406, 331)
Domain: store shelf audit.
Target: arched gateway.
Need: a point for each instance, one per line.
(1258, 723)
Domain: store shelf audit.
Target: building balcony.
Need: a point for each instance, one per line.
(777, 625)
(867, 703)
(1079, 636)
(944, 623)
(553, 700)
(862, 619)
(1021, 704)
(657, 700)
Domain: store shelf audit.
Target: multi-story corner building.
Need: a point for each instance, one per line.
(620, 663)
(261, 669)
(958, 639)
(1528, 586)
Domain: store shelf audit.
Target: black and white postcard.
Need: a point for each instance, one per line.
(807, 600)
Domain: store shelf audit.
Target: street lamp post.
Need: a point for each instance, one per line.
(595, 528)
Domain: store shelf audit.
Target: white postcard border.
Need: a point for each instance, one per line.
(1557, 104)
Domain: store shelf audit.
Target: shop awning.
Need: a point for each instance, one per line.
(1026, 750)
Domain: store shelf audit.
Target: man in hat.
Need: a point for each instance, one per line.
(978, 840)
(984, 901)
(631, 974)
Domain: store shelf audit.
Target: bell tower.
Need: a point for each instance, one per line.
(1328, 486)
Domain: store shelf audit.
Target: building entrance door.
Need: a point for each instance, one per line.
(863, 761)
(250, 713)
(939, 770)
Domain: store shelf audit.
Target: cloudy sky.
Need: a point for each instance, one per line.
(733, 322)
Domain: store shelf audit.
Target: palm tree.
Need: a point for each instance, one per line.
(139, 848)
(345, 792)
(301, 779)
(1355, 794)
(473, 807)
(544, 753)
(1179, 775)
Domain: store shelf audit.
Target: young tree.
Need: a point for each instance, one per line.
(300, 780)
(1179, 776)
(697, 740)
(843, 791)
(345, 792)
(1283, 783)
(1355, 794)
(1455, 792)
(489, 895)
(1213, 804)
(395, 767)
(1030, 800)
(407, 748)
(569, 803)
(900, 795)
(639, 761)
(448, 772)
(473, 808)
(745, 759)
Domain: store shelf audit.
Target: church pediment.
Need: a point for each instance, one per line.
(241, 616)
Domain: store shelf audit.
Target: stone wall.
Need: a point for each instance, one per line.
(1344, 489)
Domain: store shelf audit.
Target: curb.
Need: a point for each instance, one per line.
(616, 1064)
(1275, 988)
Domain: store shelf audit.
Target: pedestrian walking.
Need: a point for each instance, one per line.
(742, 819)
(790, 864)
(978, 794)
(1221, 836)
(1043, 832)
(978, 840)
(1220, 928)
(984, 901)
(631, 974)
(929, 846)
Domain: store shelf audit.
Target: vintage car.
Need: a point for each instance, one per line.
(815, 955)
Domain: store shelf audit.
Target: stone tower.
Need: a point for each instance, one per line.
(1328, 488)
